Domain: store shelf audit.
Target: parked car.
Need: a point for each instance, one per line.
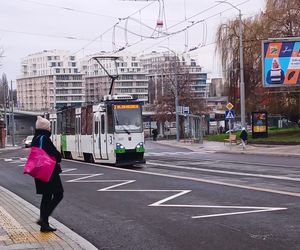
(27, 141)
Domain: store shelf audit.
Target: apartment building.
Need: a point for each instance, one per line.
(50, 79)
(131, 77)
(159, 65)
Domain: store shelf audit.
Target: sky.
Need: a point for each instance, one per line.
(90, 26)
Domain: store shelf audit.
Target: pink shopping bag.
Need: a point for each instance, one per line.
(39, 164)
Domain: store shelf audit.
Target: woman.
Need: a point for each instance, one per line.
(52, 191)
(244, 138)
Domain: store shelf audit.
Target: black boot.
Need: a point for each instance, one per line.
(45, 227)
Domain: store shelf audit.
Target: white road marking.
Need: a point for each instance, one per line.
(65, 170)
(236, 213)
(80, 179)
(226, 172)
(179, 193)
(197, 180)
(172, 153)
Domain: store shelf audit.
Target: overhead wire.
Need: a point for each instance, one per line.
(97, 37)
(194, 23)
(65, 8)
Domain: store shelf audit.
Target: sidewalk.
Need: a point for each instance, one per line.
(256, 149)
(18, 228)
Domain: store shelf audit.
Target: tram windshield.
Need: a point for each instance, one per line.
(128, 118)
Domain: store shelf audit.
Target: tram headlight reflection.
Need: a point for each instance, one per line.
(140, 147)
(119, 148)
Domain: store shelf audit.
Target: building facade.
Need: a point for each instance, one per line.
(131, 78)
(50, 79)
(159, 65)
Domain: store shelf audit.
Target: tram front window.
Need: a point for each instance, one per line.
(128, 118)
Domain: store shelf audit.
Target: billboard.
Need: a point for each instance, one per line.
(281, 63)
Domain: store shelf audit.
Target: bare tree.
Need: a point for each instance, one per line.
(164, 102)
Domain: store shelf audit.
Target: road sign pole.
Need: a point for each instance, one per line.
(230, 132)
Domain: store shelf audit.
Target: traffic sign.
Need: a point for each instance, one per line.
(229, 106)
(229, 114)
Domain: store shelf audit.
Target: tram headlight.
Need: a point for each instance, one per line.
(119, 148)
(140, 148)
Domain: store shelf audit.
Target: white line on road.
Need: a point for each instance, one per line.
(80, 179)
(236, 213)
(194, 179)
(225, 172)
(179, 193)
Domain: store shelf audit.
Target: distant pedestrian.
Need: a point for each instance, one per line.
(244, 137)
(52, 191)
(154, 134)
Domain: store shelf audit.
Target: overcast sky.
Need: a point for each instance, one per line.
(29, 26)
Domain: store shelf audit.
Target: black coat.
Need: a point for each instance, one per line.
(244, 135)
(54, 185)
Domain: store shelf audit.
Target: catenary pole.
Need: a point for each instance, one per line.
(242, 83)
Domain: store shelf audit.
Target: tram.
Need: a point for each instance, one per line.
(110, 132)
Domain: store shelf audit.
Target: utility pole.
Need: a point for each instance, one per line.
(176, 99)
(4, 104)
(242, 83)
(12, 115)
(176, 92)
(54, 90)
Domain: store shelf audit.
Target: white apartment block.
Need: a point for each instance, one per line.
(131, 80)
(158, 64)
(47, 78)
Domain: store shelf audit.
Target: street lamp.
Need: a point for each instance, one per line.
(176, 92)
(54, 87)
(242, 83)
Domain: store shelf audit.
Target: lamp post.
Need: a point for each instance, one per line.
(54, 88)
(176, 93)
(242, 83)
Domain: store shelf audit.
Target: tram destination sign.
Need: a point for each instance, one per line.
(126, 106)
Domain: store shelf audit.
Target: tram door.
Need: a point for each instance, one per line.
(103, 135)
(96, 137)
(78, 134)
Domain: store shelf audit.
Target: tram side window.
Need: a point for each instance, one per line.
(96, 127)
(70, 122)
(89, 119)
(102, 124)
(59, 123)
(63, 123)
(110, 123)
(83, 121)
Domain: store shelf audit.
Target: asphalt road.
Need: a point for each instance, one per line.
(178, 200)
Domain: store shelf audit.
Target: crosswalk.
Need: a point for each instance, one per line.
(20, 161)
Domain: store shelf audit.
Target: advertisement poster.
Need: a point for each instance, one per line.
(259, 124)
(281, 63)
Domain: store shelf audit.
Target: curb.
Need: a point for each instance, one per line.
(83, 243)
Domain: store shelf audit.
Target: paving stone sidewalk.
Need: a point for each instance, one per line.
(18, 228)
